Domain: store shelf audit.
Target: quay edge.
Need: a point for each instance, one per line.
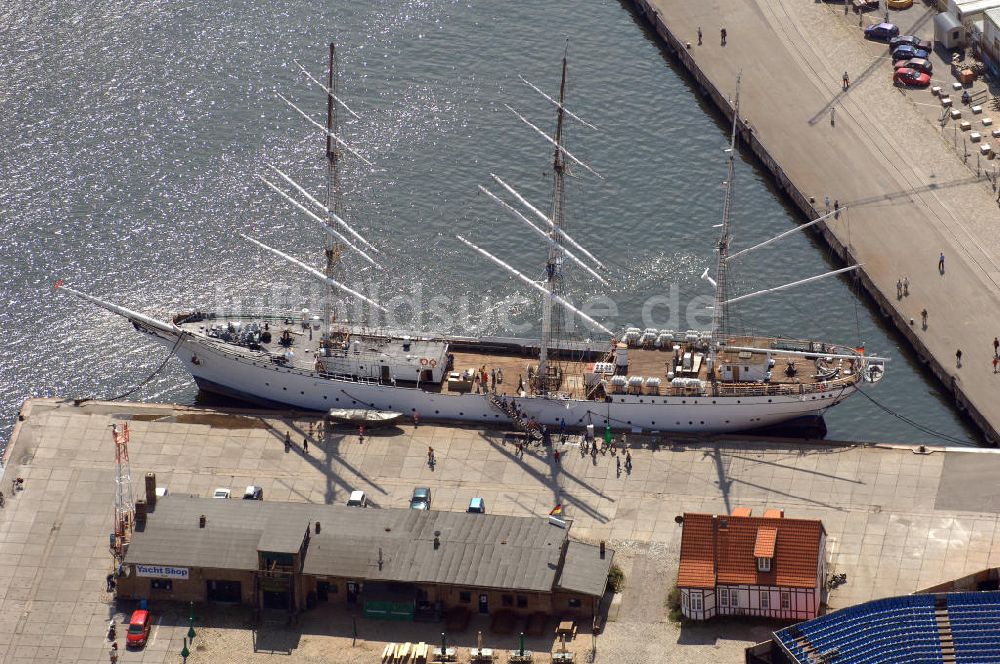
(750, 139)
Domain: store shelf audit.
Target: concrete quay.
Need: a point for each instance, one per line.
(911, 196)
(897, 520)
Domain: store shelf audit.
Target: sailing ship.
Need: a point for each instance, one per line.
(649, 379)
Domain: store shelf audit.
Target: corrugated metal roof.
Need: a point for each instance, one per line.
(479, 550)
(221, 548)
(583, 569)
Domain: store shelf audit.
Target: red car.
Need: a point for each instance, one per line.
(920, 64)
(911, 77)
(138, 629)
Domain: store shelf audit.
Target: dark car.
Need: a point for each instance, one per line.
(920, 64)
(138, 629)
(421, 499)
(912, 77)
(881, 31)
(910, 40)
(907, 53)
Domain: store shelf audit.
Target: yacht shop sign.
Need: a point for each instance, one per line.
(161, 572)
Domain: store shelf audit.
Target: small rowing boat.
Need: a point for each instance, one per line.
(372, 418)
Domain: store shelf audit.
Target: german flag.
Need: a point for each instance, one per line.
(556, 511)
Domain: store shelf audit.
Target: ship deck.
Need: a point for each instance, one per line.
(642, 362)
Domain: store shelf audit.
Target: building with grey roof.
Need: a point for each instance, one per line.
(293, 555)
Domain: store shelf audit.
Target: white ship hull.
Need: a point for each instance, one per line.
(221, 370)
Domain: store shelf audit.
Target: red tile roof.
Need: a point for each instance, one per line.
(764, 546)
(720, 549)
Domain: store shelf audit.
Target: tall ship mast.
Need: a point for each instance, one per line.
(719, 332)
(649, 379)
(553, 263)
(334, 196)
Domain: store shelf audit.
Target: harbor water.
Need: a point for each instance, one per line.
(134, 135)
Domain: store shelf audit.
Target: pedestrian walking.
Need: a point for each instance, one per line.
(906, 286)
(493, 379)
(618, 466)
(996, 361)
(305, 445)
(722, 33)
(836, 208)
(110, 578)
(996, 346)
(416, 419)
(628, 462)
(958, 358)
(833, 120)
(847, 81)
(923, 318)
(361, 434)
(827, 202)
(562, 430)
(699, 35)
(557, 455)
(941, 263)
(288, 441)
(899, 289)
(430, 455)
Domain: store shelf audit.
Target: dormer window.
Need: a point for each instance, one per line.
(763, 549)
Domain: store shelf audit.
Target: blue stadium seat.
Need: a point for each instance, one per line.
(901, 629)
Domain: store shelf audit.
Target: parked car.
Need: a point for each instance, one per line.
(221, 492)
(477, 506)
(910, 40)
(920, 64)
(905, 52)
(138, 629)
(253, 493)
(912, 77)
(421, 499)
(881, 31)
(357, 499)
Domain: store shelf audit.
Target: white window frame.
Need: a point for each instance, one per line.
(765, 599)
(786, 600)
(723, 596)
(734, 598)
(763, 564)
(696, 603)
(684, 597)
